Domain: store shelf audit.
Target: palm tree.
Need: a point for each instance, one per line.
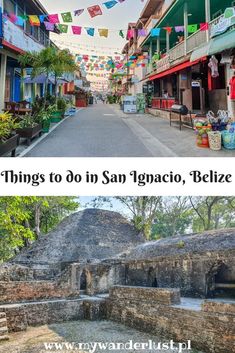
(63, 63)
(49, 61)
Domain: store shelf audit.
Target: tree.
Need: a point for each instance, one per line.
(142, 208)
(49, 61)
(23, 219)
(212, 212)
(173, 217)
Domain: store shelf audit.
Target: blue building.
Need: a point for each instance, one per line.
(17, 37)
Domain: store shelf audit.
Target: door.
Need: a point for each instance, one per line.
(16, 89)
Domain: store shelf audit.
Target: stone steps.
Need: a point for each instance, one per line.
(3, 327)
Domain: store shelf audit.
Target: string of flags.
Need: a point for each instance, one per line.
(54, 24)
(66, 17)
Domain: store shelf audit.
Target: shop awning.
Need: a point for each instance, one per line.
(175, 69)
(201, 51)
(222, 42)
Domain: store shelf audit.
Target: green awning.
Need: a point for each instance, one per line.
(222, 42)
(200, 52)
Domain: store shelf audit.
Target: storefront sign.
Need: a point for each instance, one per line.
(226, 21)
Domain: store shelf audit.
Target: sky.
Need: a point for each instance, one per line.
(115, 18)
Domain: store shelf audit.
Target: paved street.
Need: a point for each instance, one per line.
(105, 131)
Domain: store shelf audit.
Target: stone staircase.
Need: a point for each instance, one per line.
(3, 327)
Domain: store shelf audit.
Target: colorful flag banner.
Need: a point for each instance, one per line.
(168, 29)
(63, 28)
(20, 21)
(77, 30)
(34, 20)
(155, 32)
(94, 11)
(42, 18)
(103, 32)
(204, 26)
(130, 33)
(121, 34)
(90, 31)
(110, 4)
(49, 26)
(192, 28)
(142, 32)
(67, 17)
(78, 12)
(179, 29)
(54, 18)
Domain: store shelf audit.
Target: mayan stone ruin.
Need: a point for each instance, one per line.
(96, 266)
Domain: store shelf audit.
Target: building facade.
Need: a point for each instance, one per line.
(191, 59)
(15, 39)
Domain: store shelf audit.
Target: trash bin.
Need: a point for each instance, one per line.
(91, 100)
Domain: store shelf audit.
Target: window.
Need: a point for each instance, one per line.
(9, 7)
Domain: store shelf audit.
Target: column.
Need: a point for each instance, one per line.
(167, 42)
(208, 17)
(3, 69)
(158, 45)
(185, 27)
(22, 85)
(151, 54)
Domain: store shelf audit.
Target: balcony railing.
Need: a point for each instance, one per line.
(179, 51)
(22, 40)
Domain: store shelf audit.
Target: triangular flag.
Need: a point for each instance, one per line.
(34, 20)
(94, 10)
(110, 4)
(63, 28)
(78, 12)
(67, 17)
(103, 32)
(90, 31)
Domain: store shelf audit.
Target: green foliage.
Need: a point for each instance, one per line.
(27, 121)
(181, 244)
(7, 126)
(23, 219)
(61, 104)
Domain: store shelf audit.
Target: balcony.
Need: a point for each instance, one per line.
(18, 38)
(181, 50)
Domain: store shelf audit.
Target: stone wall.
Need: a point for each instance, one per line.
(19, 291)
(194, 274)
(211, 331)
(149, 295)
(20, 316)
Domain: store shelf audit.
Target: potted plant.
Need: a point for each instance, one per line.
(9, 140)
(59, 110)
(56, 115)
(44, 117)
(29, 128)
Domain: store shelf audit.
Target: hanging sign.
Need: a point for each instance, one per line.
(225, 22)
